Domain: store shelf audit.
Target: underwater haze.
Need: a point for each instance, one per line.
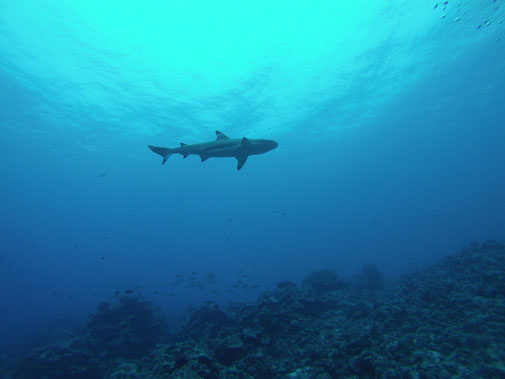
(389, 115)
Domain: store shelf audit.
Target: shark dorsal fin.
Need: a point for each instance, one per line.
(246, 143)
(183, 144)
(220, 135)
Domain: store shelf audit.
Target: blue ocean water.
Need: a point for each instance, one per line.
(389, 117)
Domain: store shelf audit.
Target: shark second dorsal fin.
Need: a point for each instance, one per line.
(183, 144)
(220, 135)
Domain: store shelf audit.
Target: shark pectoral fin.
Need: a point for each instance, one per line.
(220, 135)
(185, 155)
(241, 160)
(204, 157)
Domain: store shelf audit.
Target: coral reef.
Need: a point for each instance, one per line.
(123, 328)
(444, 321)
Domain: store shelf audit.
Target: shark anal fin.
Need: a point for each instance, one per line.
(241, 159)
(220, 135)
(183, 154)
(204, 157)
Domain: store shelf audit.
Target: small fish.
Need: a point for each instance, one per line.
(116, 293)
(102, 175)
(129, 291)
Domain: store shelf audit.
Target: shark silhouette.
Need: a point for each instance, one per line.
(223, 146)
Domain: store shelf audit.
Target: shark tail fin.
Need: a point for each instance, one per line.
(165, 152)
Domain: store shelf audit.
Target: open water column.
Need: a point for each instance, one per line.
(330, 203)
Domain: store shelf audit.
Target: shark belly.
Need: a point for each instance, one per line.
(223, 152)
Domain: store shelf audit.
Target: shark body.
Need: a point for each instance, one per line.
(223, 146)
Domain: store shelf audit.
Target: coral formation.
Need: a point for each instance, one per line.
(444, 321)
(121, 329)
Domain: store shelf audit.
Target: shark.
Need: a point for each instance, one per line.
(223, 146)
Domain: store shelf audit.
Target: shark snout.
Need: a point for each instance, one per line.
(271, 144)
